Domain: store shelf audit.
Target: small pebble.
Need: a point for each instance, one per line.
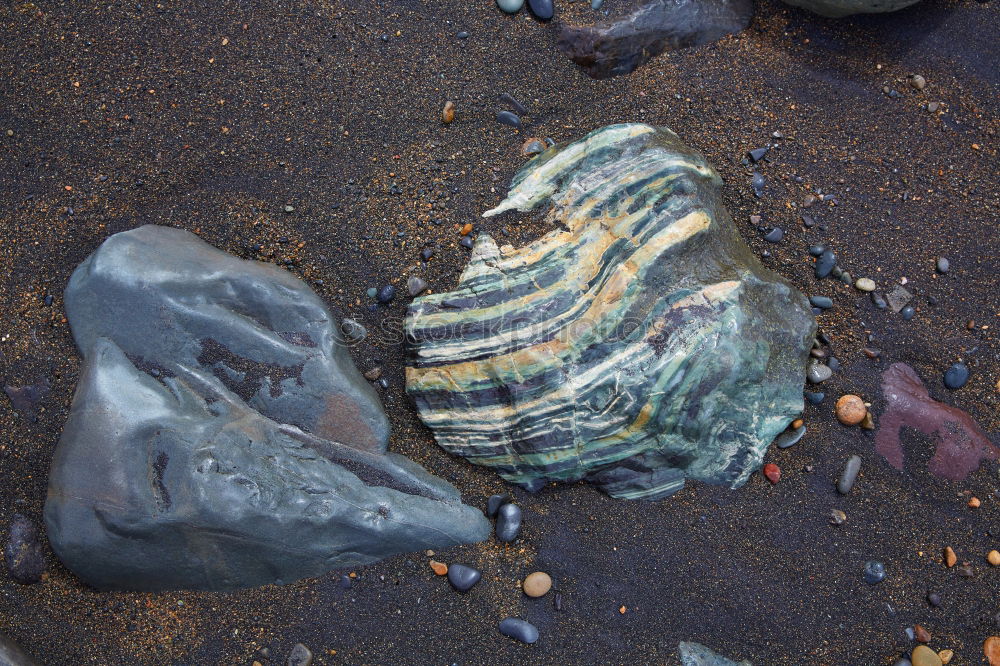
(518, 629)
(956, 376)
(448, 112)
(950, 558)
(23, 551)
(790, 437)
(974, 503)
(943, 265)
(516, 106)
(596, 4)
(508, 118)
(542, 9)
(924, 656)
(426, 254)
(772, 472)
(466, 242)
(373, 374)
(372, 292)
(289, 209)
(933, 106)
(850, 410)
(825, 264)
(532, 147)
(902, 661)
(934, 599)
(415, 285)
(494, 503)
(300, 656)
(868, 423)
(865, 284)
(508, 522)
(920, 634)
(879, 301)
(463, 578)
(993, 557)
(815, 398)
(918, 81)
(757, 154)
(462, 35)
(874, 572)
(816, 250)
(510, 6)
(353, 330)
(946, 656)
(386, 294)
(991, 650)
(907, 313)
(537, 584)
(818, 373)
(440, 568)
(824, 302)
(774, 235)
(837, 517)
(849, 475)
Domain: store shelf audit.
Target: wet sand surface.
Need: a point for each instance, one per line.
(214, 118)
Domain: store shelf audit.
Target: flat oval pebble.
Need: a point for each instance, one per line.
(824, 302)
(851, 410)
(924, 656)
(508, 118)
(818, 372)
(849, 475)
(956, 376)
(508, 522)
(462, 577)
(790, 437)
(874, 572)
(542, 9)
(865, 284)
(519, 630)
(537, 584)
(510, 6)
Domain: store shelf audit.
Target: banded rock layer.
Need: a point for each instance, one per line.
(220, 435)
(639, 343)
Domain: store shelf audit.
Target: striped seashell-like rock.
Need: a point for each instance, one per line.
(638, 343)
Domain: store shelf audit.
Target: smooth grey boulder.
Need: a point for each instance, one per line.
(841, 8)
(178, 467)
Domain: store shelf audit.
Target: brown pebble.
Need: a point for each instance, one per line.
(974, 503)
(991, 648)
(949, 557)
(440, 568)
(851, 410)
(871, 352)
(537, 584)
(946, 656)
(921, 634)
(993, 558)
(448, 112)
(797, 423)
(466, 229)
(373, 374)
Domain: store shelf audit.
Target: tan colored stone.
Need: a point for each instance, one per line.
(448, 113)
(991, 648)
(924, 656)
(974, 503)
(950, 559)
(537, 584)
(851, 410)
(993, 557)
(946, 656)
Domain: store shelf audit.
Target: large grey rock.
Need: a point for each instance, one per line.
(841, 8)
(220, 435)
(637, 344)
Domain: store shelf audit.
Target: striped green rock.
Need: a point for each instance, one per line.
(638, 343)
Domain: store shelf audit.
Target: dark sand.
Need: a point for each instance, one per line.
(306, 105)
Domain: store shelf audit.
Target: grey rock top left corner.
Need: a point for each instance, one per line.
(220, 435)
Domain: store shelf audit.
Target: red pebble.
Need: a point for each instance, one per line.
(772, 472)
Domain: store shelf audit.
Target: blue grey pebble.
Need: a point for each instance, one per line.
(510, 6)
(542, 9)
(462, 35)
(466, 242)
(834, 363)
(508, 522)
(849, 475)
(345, 582)
(874, 572)
(757, 154)
(774, 235)
(825, 264)
(372, 292)
(943, 265)
(508, 118)
(386, 294)
(824, 302)
(463, 578)
(903, 661)
(907, 313)
(789, 437)
(956, 376)
(816, 250)
(596, 4)
(494, 503)
(758, 184)
(815, 398)
(879, 300)
(518, 629)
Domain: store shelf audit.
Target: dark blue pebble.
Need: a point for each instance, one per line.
(515, 106)
(833, 363)
(817, 311)
(956, 376)
(543, 9)
(824, 302)
(758, 184)
(774, 235)
(466, 242)
(462, 35)
(874, 572)
(907, 313)
(757, 154)
(879, 300)
(494, 503)
(508, 118)
(508, 522)
(426, 254)
(386, 294)
(815, 398)
(808, 222)
(519, 630)
(825, 264)
(816, 250)
(463, 578)
(345, 582)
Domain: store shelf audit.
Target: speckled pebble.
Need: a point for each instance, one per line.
(818, 373)
(874, 572)
(865, 284)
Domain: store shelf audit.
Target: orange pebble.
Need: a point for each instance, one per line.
(440, 568)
